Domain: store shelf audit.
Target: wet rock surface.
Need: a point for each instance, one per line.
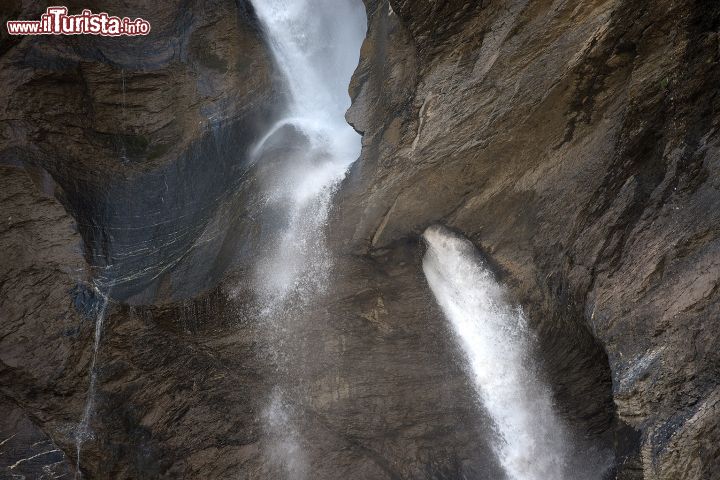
(574, 142)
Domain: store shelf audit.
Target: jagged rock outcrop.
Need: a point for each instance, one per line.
(576, 144)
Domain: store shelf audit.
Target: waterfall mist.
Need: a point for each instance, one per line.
(531, 442)
(284, 449)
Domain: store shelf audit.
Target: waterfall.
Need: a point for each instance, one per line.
(531, 442)
(316, 47)
(83, 431)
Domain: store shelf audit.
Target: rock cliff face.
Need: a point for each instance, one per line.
(575, 143)
(139, 137)
(142, 142)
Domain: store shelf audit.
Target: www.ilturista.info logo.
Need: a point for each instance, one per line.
(56, 21)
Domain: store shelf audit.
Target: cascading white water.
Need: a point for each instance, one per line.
(531, 441)
(316, 45)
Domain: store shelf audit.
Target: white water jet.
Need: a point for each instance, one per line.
(84, 431)
(316, 46)
(531, 441)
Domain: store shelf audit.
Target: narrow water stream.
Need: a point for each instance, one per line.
(84, 431)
